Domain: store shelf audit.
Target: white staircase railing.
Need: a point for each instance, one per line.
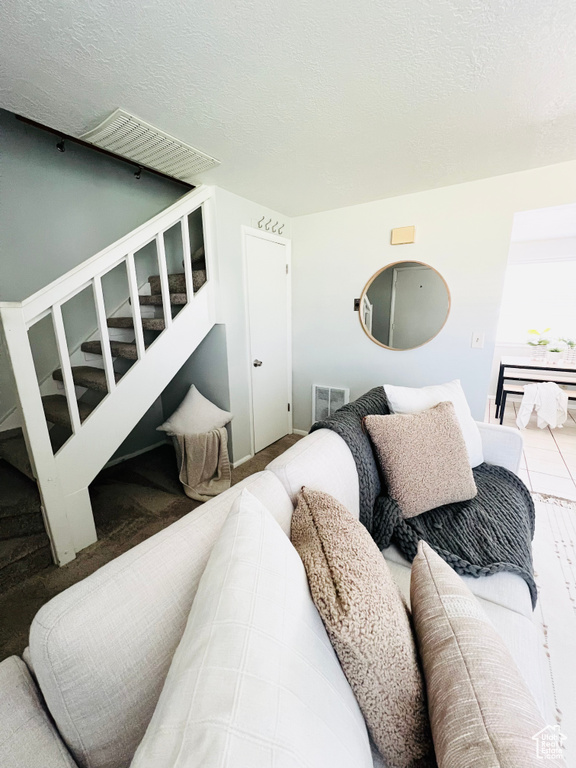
(63, 477)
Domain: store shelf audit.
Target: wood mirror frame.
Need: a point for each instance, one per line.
(364, 293)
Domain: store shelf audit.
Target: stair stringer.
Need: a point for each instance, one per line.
(63, 478)
(83, 456)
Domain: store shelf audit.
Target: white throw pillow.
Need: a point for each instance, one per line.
(417, 399)
(195, 415)
(254, 681)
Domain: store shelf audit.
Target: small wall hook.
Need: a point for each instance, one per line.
(274, 227)
(138, 173)
(280, 229)
(61, 147)
(260, 222)
(267, 227)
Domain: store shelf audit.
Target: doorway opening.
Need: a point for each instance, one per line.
(536, 343)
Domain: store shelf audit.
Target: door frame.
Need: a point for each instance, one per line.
(395, 272)
(253, 232)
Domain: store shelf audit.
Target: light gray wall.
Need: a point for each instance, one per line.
(58, 209)
(463, 231)
(207, 368)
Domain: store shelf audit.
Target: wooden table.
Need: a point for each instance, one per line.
(538, 371)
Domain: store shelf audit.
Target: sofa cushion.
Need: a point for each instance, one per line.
(481, 710)
(368, 624)
(28, 738)
(423, 458)
(101, 649)
(254, 681)
(322, 462)
(417, 399)
(504, 589)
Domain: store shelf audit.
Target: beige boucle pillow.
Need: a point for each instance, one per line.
(481, 712)
(423, 458)
(368, 624)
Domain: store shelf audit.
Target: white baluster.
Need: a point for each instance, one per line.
(164, 284)
(104, 335)
(208, 236)
(135, 302)
(187, 258)
(66, 367)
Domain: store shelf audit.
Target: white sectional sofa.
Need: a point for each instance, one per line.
(100, 651)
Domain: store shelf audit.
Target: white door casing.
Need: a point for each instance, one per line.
(267, 281)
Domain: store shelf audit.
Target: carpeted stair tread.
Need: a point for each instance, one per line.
(22, 557)
(20, 506)
(56, 410)
(18, 494)
(148, 323)
(118, 349)
(156, 299)
(87, 376)
(177, 282)
(19, 526)
(13, 450)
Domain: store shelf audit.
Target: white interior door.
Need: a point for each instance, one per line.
(268, 294)
(419, 304)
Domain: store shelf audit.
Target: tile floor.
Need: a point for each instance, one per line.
(549, 461)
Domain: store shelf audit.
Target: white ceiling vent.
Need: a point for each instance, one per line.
(130, 137)
(327, 400)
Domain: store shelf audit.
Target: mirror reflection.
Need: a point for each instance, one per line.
(404, 305)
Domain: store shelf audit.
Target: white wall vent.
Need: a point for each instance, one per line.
(128, 136)
(327, 400)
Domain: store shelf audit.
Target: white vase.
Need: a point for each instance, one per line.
(554, 357)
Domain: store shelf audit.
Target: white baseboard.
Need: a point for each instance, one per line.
(243, 460)
(299, 432)
(113, 462)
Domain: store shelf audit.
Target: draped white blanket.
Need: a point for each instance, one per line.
(548, 400)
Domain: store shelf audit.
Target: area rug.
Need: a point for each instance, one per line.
(555, 614)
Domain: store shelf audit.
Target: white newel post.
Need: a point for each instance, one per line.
(37, 437)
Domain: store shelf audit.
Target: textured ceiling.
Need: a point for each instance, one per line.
(310, 105)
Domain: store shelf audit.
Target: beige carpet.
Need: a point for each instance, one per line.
(555, 614)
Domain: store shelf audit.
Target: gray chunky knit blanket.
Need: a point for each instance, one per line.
(490, 533)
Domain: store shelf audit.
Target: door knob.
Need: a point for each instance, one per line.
(257, 363)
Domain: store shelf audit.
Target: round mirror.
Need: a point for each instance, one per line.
(404, 305)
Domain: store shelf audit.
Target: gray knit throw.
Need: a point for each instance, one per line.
(490, 533)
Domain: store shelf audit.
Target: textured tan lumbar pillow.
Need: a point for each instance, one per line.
(368, 625)
(423, 458)
(481, 711)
